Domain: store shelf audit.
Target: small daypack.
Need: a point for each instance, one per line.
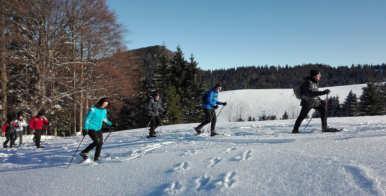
(205, 97)
(298, 91)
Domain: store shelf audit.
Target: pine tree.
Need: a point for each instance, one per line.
(371, 101)
(333, 107)
(350, 105)
(285, 116)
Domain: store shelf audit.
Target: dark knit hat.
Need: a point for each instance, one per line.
(101, 101)
(314, 72)
(218, 84)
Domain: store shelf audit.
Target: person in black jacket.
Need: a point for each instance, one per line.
(310, 100)
(155, 110)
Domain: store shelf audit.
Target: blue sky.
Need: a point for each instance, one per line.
(227, 33)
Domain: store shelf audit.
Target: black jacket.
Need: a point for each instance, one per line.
(310, 93)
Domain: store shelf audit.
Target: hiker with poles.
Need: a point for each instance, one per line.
(210, 104)
(154, 109)
(96, 116)
(309, 94)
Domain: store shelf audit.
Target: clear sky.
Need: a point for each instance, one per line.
(229, 33)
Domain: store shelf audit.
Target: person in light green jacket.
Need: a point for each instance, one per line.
(93, 127)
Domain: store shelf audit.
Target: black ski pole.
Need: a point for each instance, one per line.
(108, 135)
(73, 156)
(305, 127)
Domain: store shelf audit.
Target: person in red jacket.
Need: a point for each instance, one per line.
(38, 123)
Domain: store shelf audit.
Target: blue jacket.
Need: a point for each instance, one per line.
(95, 118)
(211, 100)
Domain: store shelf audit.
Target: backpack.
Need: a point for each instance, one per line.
(205, 97)
(298, 92)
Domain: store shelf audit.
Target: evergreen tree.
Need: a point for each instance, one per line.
(371, 100)
(285, 116)
(333, 107)
(350, 105)
(174, 109)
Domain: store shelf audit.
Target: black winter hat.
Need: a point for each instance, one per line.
(314, 72)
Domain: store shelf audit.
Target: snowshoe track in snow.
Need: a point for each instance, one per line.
(214, 161)
(244, 156)
(173, 188)
(363, 180)
(180, 167)
(225, 180)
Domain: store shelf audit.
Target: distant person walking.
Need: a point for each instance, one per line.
(20, 125)
(38, 124)
(96, 116)
(155, 110)
(8, 130)
(210, 104)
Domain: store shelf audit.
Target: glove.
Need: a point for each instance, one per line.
(224, 103)
(215, 107)
(327, 91)
(84, 132)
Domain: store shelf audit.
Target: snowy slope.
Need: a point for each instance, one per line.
(255, 158)
(256, 102)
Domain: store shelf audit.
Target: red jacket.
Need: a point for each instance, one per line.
(4, 128)
(38, 123)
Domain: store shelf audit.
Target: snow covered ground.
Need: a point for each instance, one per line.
(252, 158)
(256, 102)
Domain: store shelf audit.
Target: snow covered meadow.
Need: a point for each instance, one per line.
(251, 158)
(256, 102)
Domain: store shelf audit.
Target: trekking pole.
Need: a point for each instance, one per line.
(73, 155)
(108, 135)
(305, 127)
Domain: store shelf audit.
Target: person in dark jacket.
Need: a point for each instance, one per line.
(93, 127)
(9, 131)
(210, 104)
(38, 124)
(310, 100)
(155, 110)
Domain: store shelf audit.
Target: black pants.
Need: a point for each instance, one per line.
(210, 117)
(19, 134)
(37, 137)
(321, 108)
(97, 138)
(9, 137)
(155, 121)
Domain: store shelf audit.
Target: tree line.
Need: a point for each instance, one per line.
(50, 52)
(263, 77)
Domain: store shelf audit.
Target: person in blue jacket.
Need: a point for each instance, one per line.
(96, 116)
(210, 104)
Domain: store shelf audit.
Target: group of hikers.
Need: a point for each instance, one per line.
(15, 126)
(308, 93)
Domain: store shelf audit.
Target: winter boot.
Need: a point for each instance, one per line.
(83, 155)
(213, 133)
(152, 133)
(198, 131)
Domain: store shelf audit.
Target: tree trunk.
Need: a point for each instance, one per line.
(3, 64)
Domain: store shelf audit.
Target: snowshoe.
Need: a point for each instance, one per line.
(331, 130)
(198, 132)
(84, 156)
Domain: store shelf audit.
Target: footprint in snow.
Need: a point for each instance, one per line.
(173, 188)
(226, 180)
(214, 161)
(247, 155)
(180, 167)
